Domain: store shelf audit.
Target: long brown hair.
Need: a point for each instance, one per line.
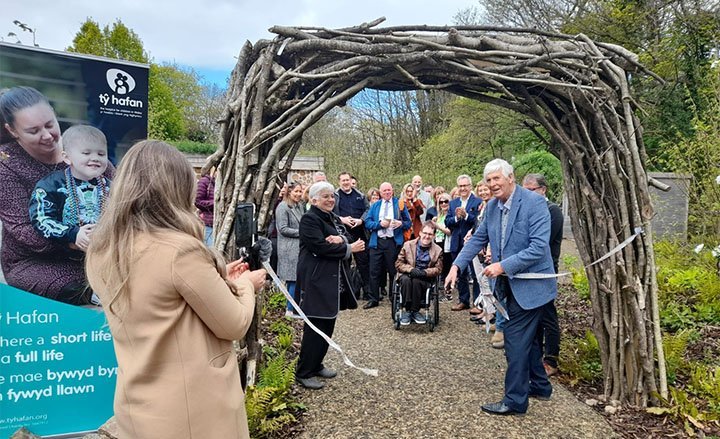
(153, 192)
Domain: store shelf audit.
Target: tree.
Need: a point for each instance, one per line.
(178, 104)
(117, 42)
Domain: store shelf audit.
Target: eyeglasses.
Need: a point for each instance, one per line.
(443, 201)
(464, 185)
(533, 188)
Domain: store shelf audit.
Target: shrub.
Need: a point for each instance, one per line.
(580, 358)
(579, 277)
(192, 147)
(270, 405)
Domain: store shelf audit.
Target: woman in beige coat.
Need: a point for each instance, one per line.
(172, 305)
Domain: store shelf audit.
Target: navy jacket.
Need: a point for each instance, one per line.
(458, 226)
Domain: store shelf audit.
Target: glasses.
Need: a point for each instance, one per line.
(464, 185)
(444, 201)
(533, 188)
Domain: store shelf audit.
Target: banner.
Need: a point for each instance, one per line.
(57, 365)
(109, 94)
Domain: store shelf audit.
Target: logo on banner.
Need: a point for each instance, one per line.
(121, 83)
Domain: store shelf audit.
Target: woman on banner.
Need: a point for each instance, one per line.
(30, 149)
(172, 304)
(322, 281)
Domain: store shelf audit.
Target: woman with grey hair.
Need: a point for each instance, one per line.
(323, 284)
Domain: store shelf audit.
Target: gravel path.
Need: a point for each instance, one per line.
(431, 385)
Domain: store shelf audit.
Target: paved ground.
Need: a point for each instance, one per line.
(431, 385)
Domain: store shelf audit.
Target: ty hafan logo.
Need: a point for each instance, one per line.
(121, 83)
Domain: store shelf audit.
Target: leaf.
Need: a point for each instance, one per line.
(659, 410)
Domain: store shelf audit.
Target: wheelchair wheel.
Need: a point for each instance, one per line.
(395, 308)
(436, 309)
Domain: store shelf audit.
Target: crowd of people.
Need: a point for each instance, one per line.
(155, 272)
(421, 236)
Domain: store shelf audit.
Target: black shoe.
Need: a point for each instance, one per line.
(310, 383)
(370, 304)
(539, 397)
(499, 408)
(383, 292)
(326, 373)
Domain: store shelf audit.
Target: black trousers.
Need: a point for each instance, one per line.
(313, 348)
(551, 334)
(413, 291)
(382, 263)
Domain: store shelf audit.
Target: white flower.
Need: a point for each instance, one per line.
(699, 248)
(716, 252)
(717, 179)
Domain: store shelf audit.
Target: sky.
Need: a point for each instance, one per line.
(208, 35)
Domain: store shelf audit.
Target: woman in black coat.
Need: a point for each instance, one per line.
(322, 280)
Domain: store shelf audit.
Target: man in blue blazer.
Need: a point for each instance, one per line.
(461, 216)
(386, 223)
(517, 226)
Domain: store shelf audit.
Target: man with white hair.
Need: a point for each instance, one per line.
(461, 216)
(319, 176)
(386, 222)
(423, 196)
(517, 227)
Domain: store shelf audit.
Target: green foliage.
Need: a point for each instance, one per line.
(270, 405)
(116, 41)
(281, 327)
(193, 147)
(541, 162)
(477, 133)
(579, 277)
(580, 358)
(674, 346)
(688, 286)
(704, 383)
(275, 300)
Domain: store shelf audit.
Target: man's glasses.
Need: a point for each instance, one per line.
(533, 188)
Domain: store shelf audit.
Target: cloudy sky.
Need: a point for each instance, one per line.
(207, 35)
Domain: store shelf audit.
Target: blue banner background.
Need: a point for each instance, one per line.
(57, 365)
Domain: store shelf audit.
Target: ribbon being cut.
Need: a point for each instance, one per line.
(281, 286)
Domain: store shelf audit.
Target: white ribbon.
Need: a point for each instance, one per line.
(281, 285)
(622, 245)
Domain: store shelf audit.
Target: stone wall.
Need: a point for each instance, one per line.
(671, 208)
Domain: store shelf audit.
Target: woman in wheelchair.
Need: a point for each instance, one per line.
(419, 263)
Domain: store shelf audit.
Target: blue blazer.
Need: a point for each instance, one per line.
(460, 227)
(372, 222)
(526, 250)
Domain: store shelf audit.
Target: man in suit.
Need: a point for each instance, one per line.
(550, 325)
(460, 219)
(517, 227)
(350, 205)
(386, 223)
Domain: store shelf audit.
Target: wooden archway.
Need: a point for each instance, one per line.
(576, 88)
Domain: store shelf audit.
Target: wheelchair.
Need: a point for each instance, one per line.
(430, 306)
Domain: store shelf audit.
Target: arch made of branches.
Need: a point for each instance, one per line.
(577, 89)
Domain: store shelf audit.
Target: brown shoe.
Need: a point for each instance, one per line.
(476, 311)
(459, 307)
(498, 340)
(549, 370)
